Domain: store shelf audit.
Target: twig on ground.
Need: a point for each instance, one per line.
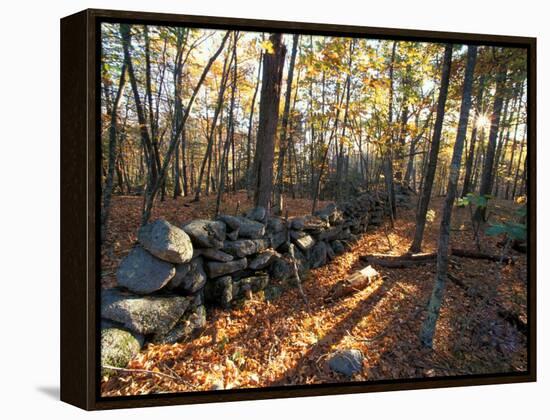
(151, 372)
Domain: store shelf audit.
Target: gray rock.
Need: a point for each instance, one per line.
(262, 244)
(240, 248)
(330, 252)
(275, 225)
(233, 235)
(253, 284)
(247, 228)
(257, 214)
(142, 273)
(272, 292)
(314, 223)
(302, 262)
(219, 291)
(330, 234)
(197, 299)
(143, 314)
(119, 346)
(262, 260)
(318, 255)
(303, 241)
(331, 213)
(189, 277)
(345, 234)
(216, 255)
(280, 269)
(206, 233)
(347, 362)
(297, 223)
(165, 241)
(187, 327)
(277, 239)
(337, 247)
(217, 269)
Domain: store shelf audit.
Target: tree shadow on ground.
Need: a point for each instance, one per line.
(334, 335)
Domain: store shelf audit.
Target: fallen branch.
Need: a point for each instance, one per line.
(354, 283)
(409, 260)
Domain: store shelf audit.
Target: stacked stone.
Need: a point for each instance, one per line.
(170, 275)
(404, 196)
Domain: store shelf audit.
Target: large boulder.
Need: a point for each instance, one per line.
(318, 255)
(187, 327)
(217, 269)
(247, 228)
(190, 277)
(165, 241)
(142, 273)
(206, 233)
(119, 346)
(143, 314)
(347, 362)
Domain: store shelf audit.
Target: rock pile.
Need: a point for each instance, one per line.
(173, 273)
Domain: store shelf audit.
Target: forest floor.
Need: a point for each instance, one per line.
(264, 342)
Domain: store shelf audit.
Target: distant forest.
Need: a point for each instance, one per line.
(182, 115)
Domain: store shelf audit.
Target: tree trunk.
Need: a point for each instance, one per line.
(467, 184)
(150, 195)
(434, 305)
(488, 164)
(208, 153)
(270, 95)
(284, 140)
(513, 152)
(422, 210)
(388, 160)
(108, 188)
(140, 111)
(249, 135)
(224, 163)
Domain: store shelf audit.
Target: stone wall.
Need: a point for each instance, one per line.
(172, 275)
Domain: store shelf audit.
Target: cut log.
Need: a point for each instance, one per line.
(354, 283)
(410, 260)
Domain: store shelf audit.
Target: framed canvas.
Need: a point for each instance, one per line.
(256, 209)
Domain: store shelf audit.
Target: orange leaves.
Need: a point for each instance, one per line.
(262, 344)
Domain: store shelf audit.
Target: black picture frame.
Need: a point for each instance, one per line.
(80, 187)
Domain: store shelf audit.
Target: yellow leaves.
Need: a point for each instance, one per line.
(522, 199)
(267, 47)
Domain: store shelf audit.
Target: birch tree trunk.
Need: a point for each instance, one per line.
(422, 210)
(434, 305)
